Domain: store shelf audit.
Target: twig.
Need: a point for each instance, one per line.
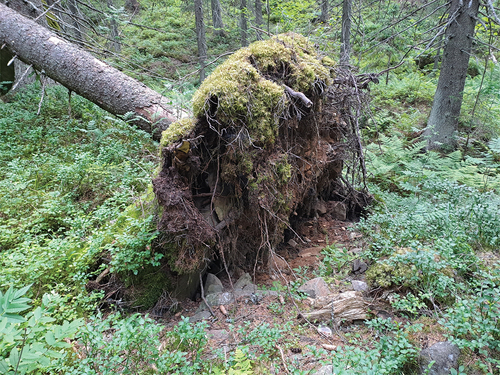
(44, 81)
(283, 358)
(262, 31)
(21, 78)
(204, 299)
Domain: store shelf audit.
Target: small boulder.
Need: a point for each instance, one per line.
(243, 281)
(445, 357)
(359, 267)
(337, 210)
(213, 284)
(218, 299)
(359, 286)
(202, 315)
(315, 288)
(325, 370)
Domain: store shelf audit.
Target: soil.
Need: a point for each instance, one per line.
(303, 259)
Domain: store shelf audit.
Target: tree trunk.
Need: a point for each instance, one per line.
(258, 17)
(74, 15)
(345, 36)
(200, 37)
(114, 41)
(324, 16)
(243, 23)
(82, 73)
(443, 120)
(7, 72)
(217, 18)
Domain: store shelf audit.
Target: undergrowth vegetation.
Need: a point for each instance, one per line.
(75, 203)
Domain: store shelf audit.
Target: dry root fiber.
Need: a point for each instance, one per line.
(267, 141)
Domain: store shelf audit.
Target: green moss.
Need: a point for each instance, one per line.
(147, 287)
(248, 87)
(384, 274)
(176, 130)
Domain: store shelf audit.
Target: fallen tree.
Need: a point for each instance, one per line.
(82, 73)
(271, 133)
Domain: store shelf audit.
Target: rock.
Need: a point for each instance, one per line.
(292, 243)
(315, 288)
(358, 266)
(325, 370)
(320, 207)
(202, 315)
(213, 284)
(218, 335)
(356, 250)
(337, 210)
(310, 251)
(359, 286)
(445, 355)
(218, 299)
(243, 281)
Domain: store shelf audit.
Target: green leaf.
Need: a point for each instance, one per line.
(21, 292)
(14, 357)
(4, 366)
(49, 338)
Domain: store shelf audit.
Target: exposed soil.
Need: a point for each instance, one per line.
(299, 337)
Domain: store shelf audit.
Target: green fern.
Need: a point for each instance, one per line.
(243, 365)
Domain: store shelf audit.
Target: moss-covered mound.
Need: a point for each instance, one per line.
(262, 149)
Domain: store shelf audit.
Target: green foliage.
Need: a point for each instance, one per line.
(474, 321)
(391, 354)
(64, 185)
(336, 261)
(128, 345)
(263, 338)
(31, 343)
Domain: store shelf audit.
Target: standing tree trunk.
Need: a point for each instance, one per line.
(7, 72)
(345, 36)
(82, 73)
(113, 28)
(200, 36)
(217, 18)
(324, 16)
(443, 120)
(258, 17)
(243, 23)
(74, 15)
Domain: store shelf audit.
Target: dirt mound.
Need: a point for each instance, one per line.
(266, 146)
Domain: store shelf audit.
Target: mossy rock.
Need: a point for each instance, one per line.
(394, 271)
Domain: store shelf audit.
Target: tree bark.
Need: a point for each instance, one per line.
(114, 40)
(443, 120)
(345, 36)
(324, 16)
(243, 23)
(82, 73)
(258, 17)
(200, 37)
(217, 18)
(7, 72)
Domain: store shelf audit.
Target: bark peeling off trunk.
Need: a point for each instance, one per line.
(264, 146)
(80, 72)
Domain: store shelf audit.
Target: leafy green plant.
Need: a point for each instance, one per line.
(392, 353)
(30, 343)
(474, 321)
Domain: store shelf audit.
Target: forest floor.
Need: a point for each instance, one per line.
(287, 342)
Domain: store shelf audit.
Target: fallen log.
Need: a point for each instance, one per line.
(82, 73)
(347, 306)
